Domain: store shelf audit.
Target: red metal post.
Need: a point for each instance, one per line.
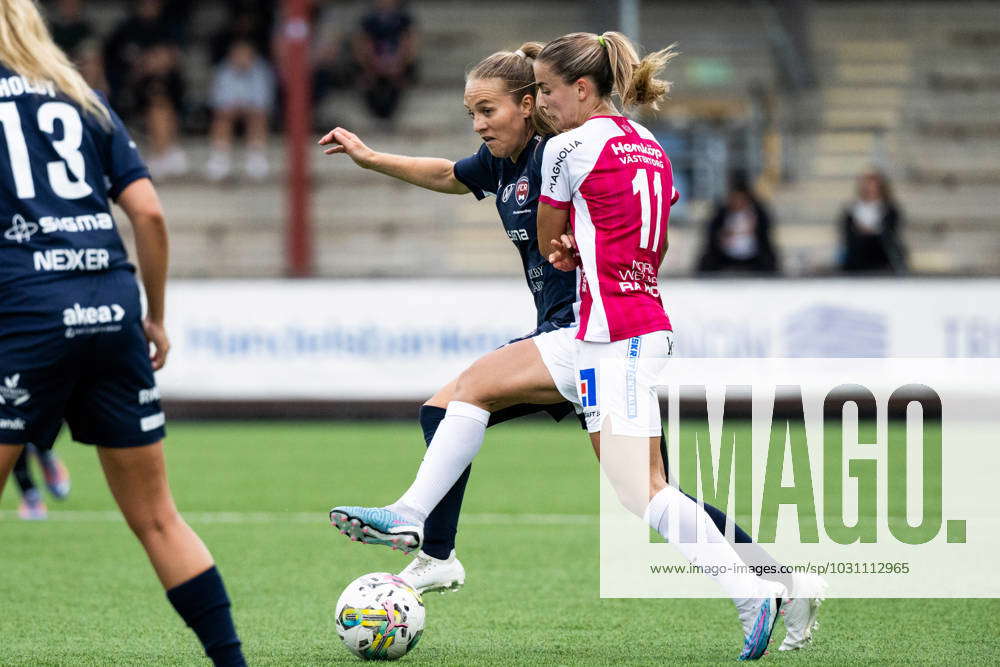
(296, 73)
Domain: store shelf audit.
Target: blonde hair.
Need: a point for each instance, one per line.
(612, 62)
(514, 69)
(27, 48)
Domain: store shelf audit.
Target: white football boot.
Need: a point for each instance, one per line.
(800, 611)
(426, 573)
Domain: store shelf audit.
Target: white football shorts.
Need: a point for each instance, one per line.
(629, 394)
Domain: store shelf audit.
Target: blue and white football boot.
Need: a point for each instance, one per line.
(378, 525)
(758, 622)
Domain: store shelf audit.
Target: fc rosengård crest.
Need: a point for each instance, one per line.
(521, 190)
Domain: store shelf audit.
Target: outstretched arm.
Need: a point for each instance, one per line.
(433, 173)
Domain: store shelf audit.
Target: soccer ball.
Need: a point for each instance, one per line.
(380, 617)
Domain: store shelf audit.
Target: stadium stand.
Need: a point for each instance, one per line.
(909, 87)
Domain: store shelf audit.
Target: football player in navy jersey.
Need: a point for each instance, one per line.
(500, 98)
(74, 344)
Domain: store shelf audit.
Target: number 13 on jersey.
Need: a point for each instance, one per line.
(68, 148)
(649, 235)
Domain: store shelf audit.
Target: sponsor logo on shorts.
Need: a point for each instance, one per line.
(149, 395)
(152, 421)
(12, 424)
(521, 191)
(506, 192)
(632, 365)
(72, 259)
(80, 320)
(588, 387)
(11, 394)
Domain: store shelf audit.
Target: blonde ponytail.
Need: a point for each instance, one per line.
(635, 80)
(612, 62)
(26, 47)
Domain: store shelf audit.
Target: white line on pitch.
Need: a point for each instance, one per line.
(484, 519)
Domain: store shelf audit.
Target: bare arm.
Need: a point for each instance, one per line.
(142, 206)
(554, 238)
(433, 173)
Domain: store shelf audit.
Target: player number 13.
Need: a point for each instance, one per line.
(68, 149)
(649, 239)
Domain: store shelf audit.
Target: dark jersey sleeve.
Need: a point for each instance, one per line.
(122, 162)
(477, 173)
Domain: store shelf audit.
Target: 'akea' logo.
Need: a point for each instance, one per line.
(78, 315)
(10, 393)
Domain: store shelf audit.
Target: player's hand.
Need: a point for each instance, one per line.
(157, 335)
(564, 255)
(341, 141)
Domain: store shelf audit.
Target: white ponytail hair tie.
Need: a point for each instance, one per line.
(521, 53)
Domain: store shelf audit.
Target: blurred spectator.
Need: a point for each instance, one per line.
(329, 48)
(76, 36)
(870, 228)
(738, 236)
(248, 21)
(385, 50)
(242, 90)
(69, 29)
(142, 58)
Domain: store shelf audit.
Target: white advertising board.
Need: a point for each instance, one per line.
(380, 340)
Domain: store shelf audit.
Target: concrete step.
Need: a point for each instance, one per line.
(845, 165)
(873, 73)
(867, 96)
(880, 51)
(846, 142)
(860, 118)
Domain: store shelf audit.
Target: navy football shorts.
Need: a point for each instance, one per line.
(558, 411)
(93, 371)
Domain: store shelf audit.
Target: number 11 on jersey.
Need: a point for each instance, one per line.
(649, 239)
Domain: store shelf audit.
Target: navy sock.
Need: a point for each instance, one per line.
(203, 604)
(22, 474)
(441, 525)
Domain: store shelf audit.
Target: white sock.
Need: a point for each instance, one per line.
(677, 518)
(456, 442)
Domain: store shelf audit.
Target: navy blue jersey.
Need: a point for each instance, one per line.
(59, 167)
(516, 186)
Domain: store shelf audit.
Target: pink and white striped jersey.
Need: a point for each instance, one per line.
(616, 181)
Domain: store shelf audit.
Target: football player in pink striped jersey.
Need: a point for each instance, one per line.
(608, 180)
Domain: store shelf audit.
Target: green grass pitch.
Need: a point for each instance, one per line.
(77, 590)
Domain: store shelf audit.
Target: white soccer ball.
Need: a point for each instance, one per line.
(380, 617)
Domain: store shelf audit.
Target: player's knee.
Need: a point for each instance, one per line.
(154, 524)
(472, 388)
